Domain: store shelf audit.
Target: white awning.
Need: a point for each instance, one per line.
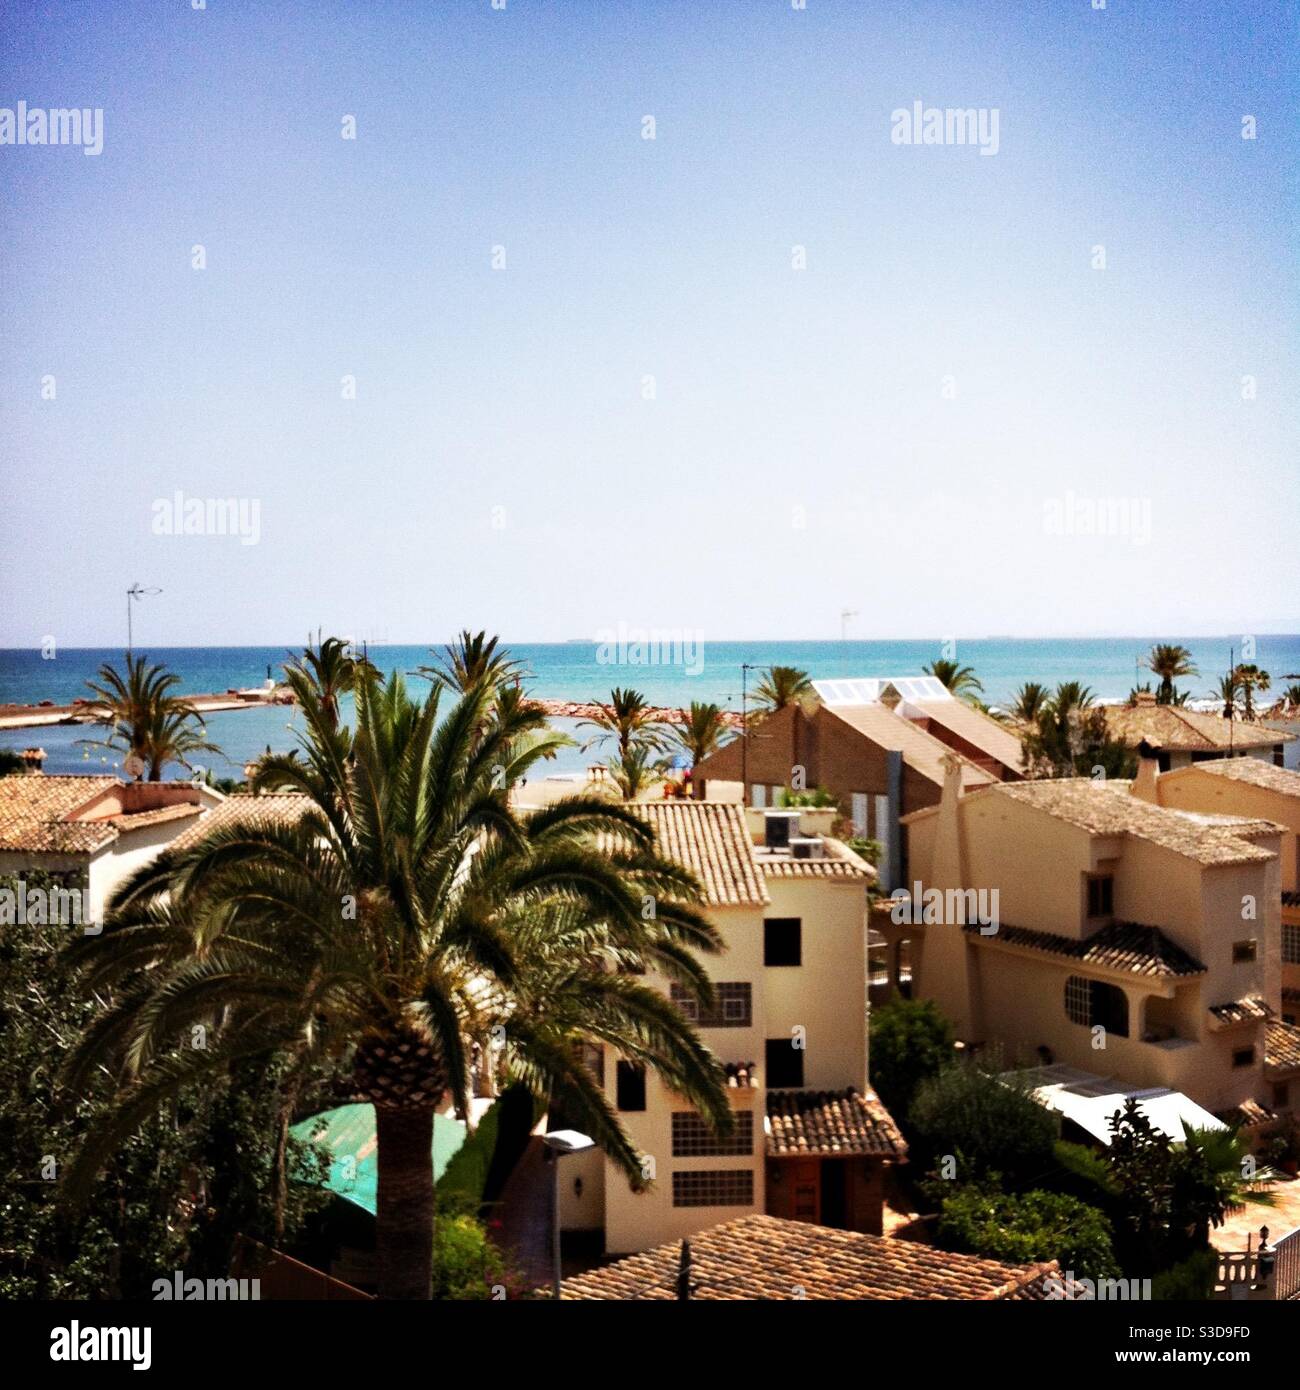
(1090, 1101)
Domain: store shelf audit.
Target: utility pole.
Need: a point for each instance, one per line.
(745, 669)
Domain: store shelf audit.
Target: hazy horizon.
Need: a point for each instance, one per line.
(768, 366)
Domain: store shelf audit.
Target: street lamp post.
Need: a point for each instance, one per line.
(560, 1142)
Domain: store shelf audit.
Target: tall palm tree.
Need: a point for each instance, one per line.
(630, 721)
(1229, 691)
(636, 771)
(362, 938)
(1250, 678)
(699, 731)
(1029, 701)
(1169, 661)
(153, 726)
(1291, 697)
(959, 680)
(778, 687)
(331, 670)
(474, 659)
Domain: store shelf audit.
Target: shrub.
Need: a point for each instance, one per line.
(910, 1042)
(465, 1262)
(989, 1126)
(1028, 1227)
(1191, 1281)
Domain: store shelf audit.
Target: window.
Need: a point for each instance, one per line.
(758, 795)
(714, 1187)
(1290, 944)
(692, 1137)
(1095, 1004)
(733, 1005)
(631, 1086)
(1243, 952)
(1243, 1057)
(858, 805)
(1281, 1095)
(1101, 896)
(784, 1063)
(782, 941)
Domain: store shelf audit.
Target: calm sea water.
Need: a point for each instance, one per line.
(573, 671)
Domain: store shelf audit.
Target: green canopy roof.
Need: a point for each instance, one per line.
(348, 1133)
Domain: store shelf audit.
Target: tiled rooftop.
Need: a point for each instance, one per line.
(1241, 1010)
(254, 812)
(1175, 728)
(1281, 1046)
(1109, 808)
(801, 1123)
(922, 752)
(38, 814)
(764, 1257)
(710, 839)
(1253, 770)
(1126, 946)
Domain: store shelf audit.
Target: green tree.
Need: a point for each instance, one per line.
(1071, 738)
(1170, 662)
(1250, 679)
(1229, 691)
(993, 1128)
(474, 659)
(150, 724)
(630, 721)
(1028, 1227)
(911, 1041)
(1029, 702)
(699, 731)
(374, 934)
(960, 680)
(778, 687)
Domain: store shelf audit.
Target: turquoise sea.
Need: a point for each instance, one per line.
(576, 671)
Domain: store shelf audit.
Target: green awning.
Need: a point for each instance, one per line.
(348, 1133)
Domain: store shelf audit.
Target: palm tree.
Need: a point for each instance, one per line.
(1250, 679)
(152, 725)
(959, 680)
(1169, 661)
(1291, 697)
(374, 935)
(635, 771)
(699, 731)
(331, 670)
(778, 687)
(629, 720)
(471, 660)
(1029, 701)
(1229, 691)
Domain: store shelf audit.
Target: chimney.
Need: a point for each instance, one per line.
(1148, 773)
(948, 869)
(34, 758)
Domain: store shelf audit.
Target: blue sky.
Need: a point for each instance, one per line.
(884, 431)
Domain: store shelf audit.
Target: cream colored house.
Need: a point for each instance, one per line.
(790, 1024)
(1179, 737)
(99, 827)
(1130, 939)
(1246, 787)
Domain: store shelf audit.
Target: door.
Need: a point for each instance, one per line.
(805, 1190)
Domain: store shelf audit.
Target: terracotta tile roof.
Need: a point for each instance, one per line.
(1174, 728)
(1126, 946)
(711, 839)
(1290, 898)
(1281, 1046)
(975, 727)
(839, 862)
(1109, 808)
(1253, 770)
(255, 812)
(35, 811)
(1247, 1010)
(1249, 1112)
(137, 820)
(921, 751)
(831, 1122)
(764, 1257)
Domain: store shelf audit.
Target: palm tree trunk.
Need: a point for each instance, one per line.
(404, 1202)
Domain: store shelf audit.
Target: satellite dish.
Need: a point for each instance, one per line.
(133, 765)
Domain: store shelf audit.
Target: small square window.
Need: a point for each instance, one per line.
(1281, 1095)
(1243, 1057)
(1243, 952)
(783, 941)
(631, 1086)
